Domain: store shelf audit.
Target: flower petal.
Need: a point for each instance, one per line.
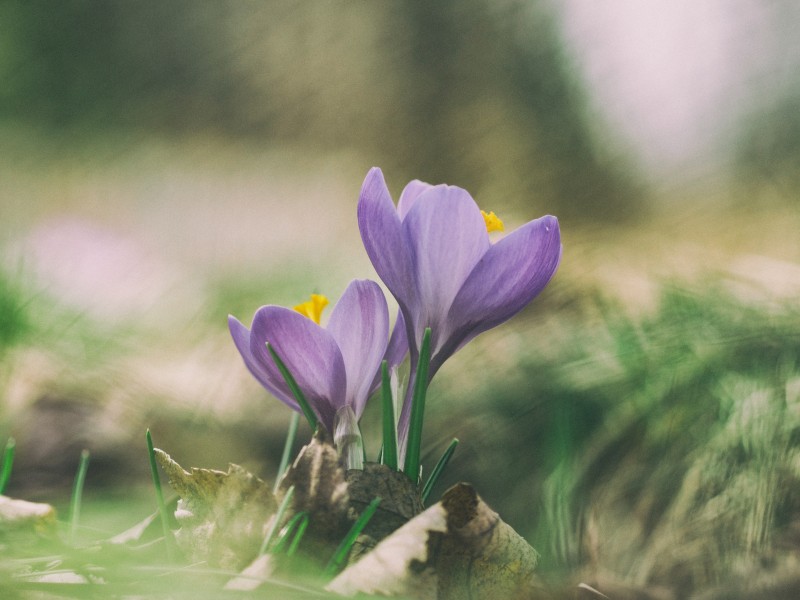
(396, 350)
(382, 235)
(447, 235)
(241, 337)
(360, 325)
(309, 352)
(511, 273)
(409, 196)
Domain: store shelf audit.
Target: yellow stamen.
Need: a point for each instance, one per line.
(493, 222)
(313, 308)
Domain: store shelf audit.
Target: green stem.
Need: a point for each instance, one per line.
(389, 454)
(346, 544)
(162, 507)
(298, 522)
(8, 463)
(298, 536)
(277, 521)
(437, 470)
(287, 449)
(418, 409)
(311, 417)
(77, 495)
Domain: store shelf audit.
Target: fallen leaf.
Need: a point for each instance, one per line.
(255, 574)
(482, 556)
(457, 548)
(400, 502)
(400, 565)
(222, 516)
(23, 517)
(320, 489)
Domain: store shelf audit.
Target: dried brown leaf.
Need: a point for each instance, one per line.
(401, 564)
(482, 556)
(458, 548)
(320, 489)
(223, 516)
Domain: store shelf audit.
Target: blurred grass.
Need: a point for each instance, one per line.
(661, 448)
(15, 320)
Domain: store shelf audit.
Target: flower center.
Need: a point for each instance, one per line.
(493, 222)
(313, 308)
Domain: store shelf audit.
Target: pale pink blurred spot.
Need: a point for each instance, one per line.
(105, 273)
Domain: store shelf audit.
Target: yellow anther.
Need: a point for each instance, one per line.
(493, 222)
(313, 308)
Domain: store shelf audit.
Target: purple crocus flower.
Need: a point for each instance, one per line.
(434, 254)
(334, 366)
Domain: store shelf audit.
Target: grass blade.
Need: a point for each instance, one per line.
(77, 495)
(418, 408)
(298, 536)
(276, 522)
(8, 463)
(389, 450)
(162, 507)
(437, 470)
(346, 544)
(311, 417)
(291, 434)
(298, 522)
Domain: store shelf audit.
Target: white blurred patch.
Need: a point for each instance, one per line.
(105, 273)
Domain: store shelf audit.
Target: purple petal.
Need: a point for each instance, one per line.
(511, 273)
(398, 343)
(447, 235)
(409, 196)
(382, 235)
(241, 337)
(396, 350)
(360, 325)
(309, 352)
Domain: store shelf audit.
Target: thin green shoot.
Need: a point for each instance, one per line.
(344, 547)
(8, 463)
(389, 450)
(162, 506)
(297, 525)
(311, 417)
(301, 530)
(77, 495)
(276, 521)
(418, 409)
(291, 435)
(437, 470)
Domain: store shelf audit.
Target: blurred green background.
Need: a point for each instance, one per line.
(165, 164)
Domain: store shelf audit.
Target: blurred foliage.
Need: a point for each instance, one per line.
(476, 93)
(15, 320)
(661, 448)
(767, 158)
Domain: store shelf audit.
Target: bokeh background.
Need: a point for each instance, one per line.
(165, 164)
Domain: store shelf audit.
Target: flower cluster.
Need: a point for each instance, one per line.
(434, 254)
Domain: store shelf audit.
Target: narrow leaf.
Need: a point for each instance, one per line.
(276, 521)
(389, 450)
(311, 417)
(342, 551)
(8, 463)
(298, 522)
(437, 470)
(291, 434)
(77, 495)
(418, 408)
(162, 506)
